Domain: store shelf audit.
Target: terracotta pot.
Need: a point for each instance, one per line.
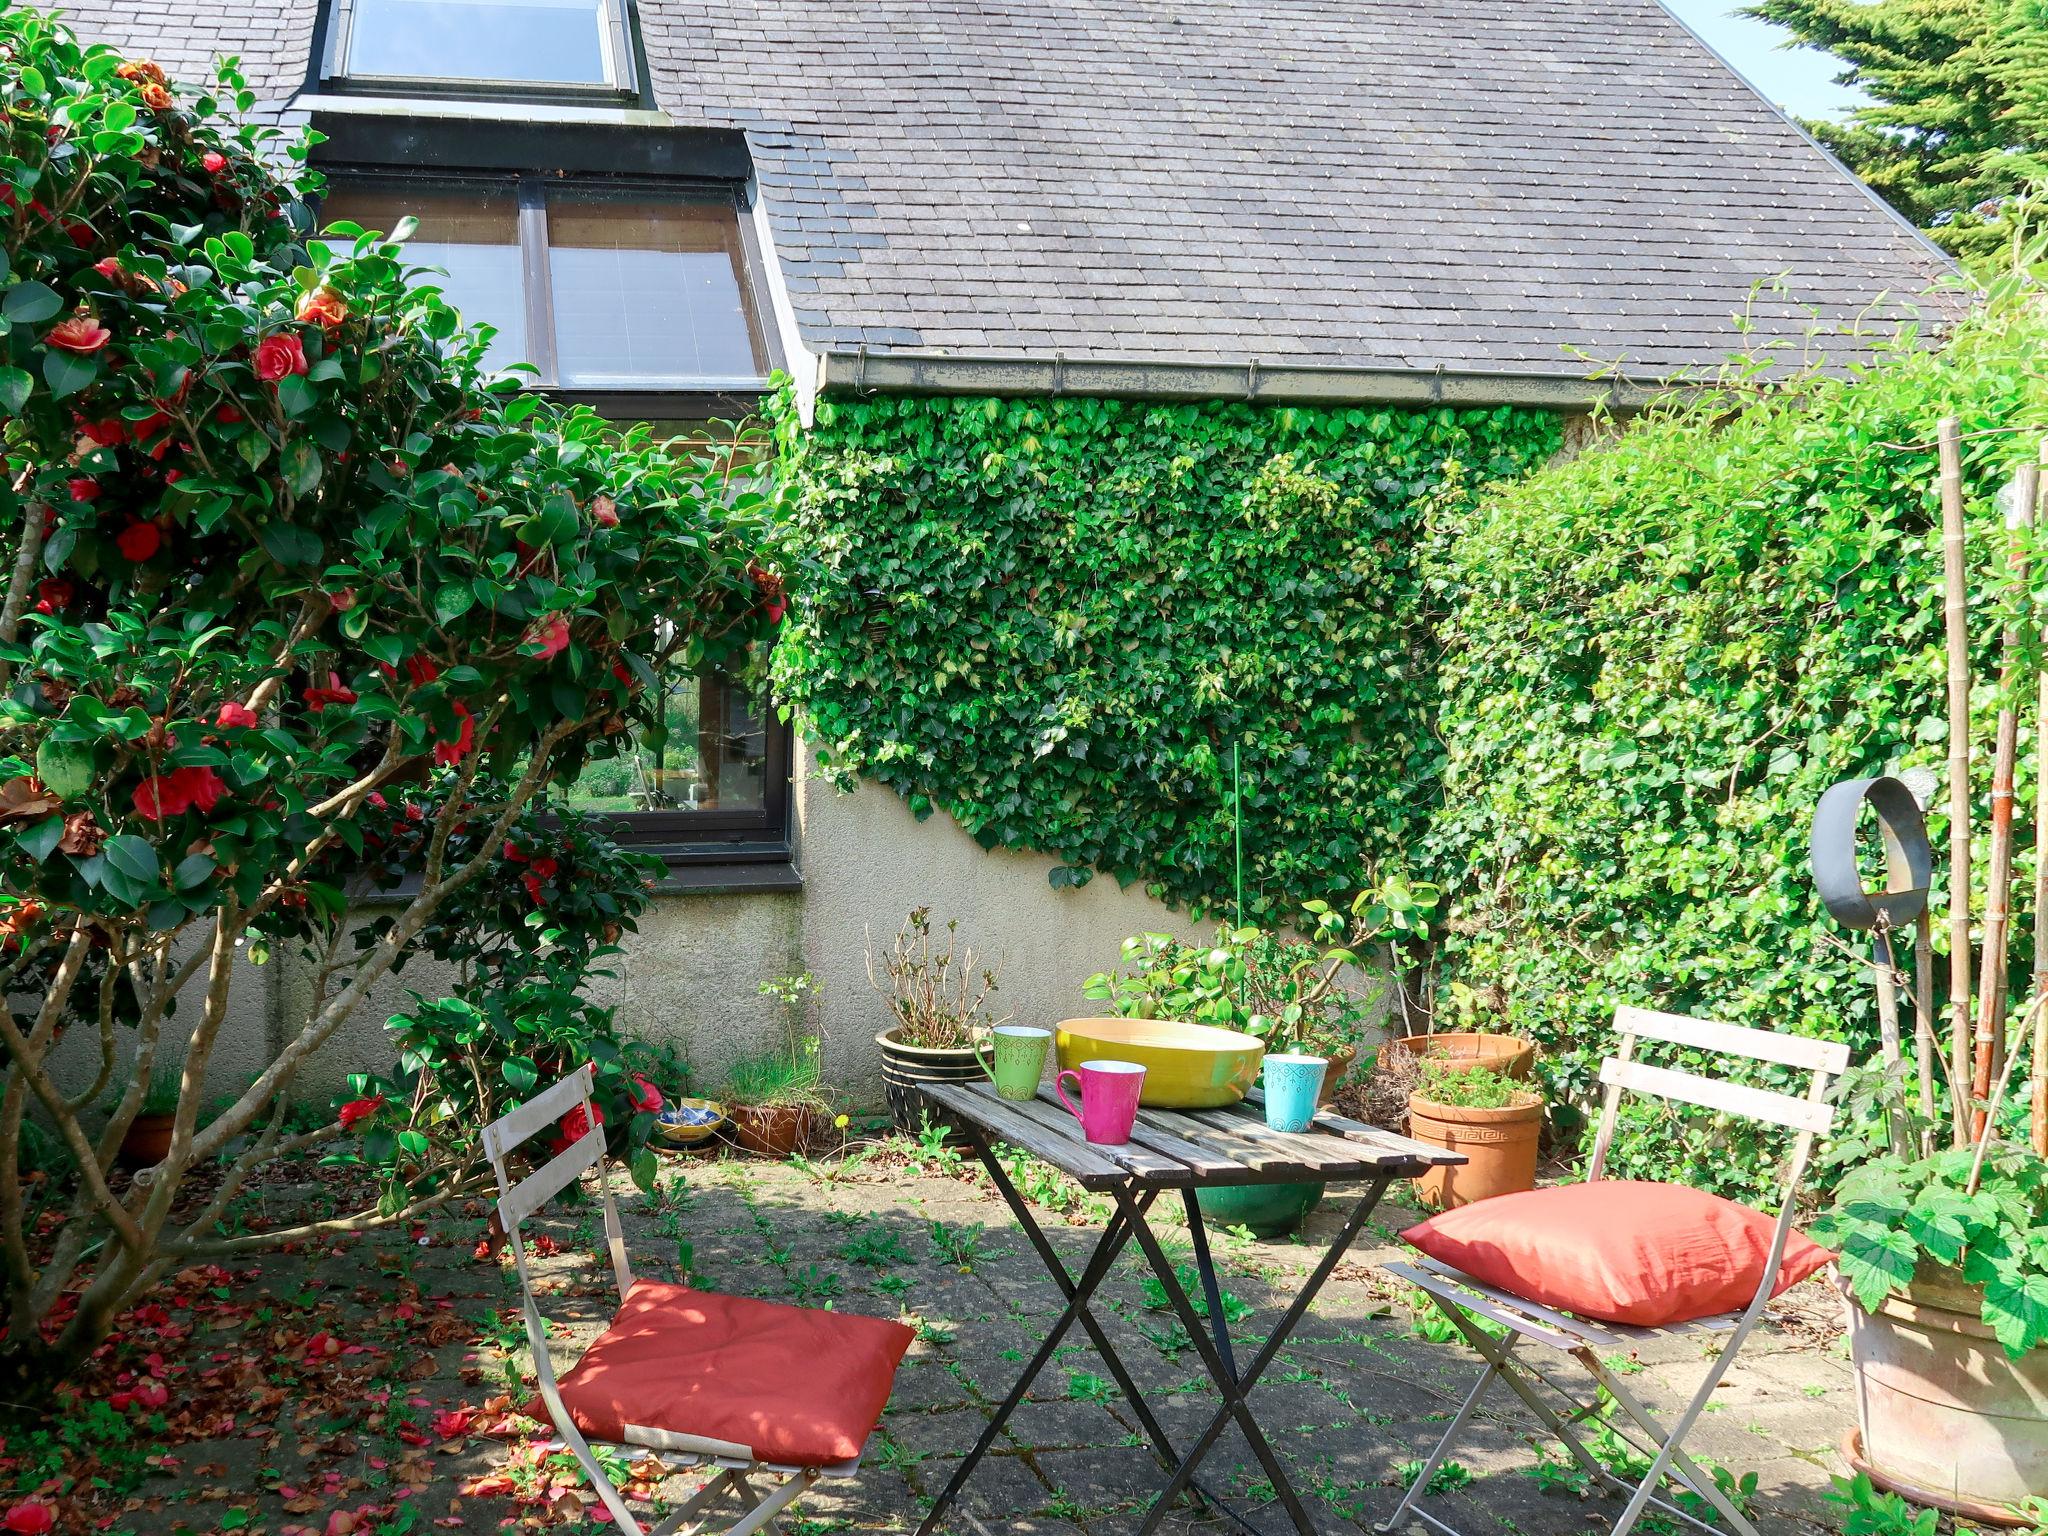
(1341, 1061)
(1945, 1417)
(906, 1066)
(1499, 1143)
(771, 1130)
(1509, 1055)
(146, 1142)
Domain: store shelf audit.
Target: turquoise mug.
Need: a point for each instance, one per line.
(1293, 1084)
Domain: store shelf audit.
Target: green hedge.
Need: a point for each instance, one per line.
(1052, 618)
(1658, 655)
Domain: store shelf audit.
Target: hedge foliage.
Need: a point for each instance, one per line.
(1053, 618)
(1659, 654)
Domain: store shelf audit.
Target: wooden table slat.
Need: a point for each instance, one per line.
(1392, 1143)
(1146, 1163)
(1070, 1154)
(1223, 1142)
(1317, 1156)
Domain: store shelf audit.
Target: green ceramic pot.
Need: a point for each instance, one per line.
(1270, 1210)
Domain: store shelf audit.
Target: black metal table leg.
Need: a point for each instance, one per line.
(1236, 1388)
(1057, 1268)
(1112, 1242)
(1212, 1291)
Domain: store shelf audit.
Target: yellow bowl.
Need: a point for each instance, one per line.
(1187, 1066)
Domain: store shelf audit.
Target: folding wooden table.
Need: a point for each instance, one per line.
(1184, 1151)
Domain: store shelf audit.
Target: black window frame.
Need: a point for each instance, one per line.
(749, 849)
(624, 57)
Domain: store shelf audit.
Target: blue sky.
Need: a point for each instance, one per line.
(1801, 80)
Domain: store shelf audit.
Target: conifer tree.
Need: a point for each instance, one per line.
(1958, 118)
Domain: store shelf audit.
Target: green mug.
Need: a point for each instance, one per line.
(1018, 1063)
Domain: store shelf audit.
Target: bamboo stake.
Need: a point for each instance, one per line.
(1993, 978)
(2039, 1126)
(1956, 627)
(1884, 969)
(1923, 1020)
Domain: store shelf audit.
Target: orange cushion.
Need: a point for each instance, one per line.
(1618, 1250)
(792, 1384)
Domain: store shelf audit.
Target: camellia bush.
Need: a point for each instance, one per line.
(275, 552)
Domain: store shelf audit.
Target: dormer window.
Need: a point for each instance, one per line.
(481, 46)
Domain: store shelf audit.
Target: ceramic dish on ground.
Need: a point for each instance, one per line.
(689, 1122)
(1187, 1066)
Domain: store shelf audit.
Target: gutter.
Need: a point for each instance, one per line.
(860, 371)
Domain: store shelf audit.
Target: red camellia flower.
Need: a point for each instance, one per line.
(235, 717)
(105, 434)
(574, 1127)
(643, 1095)
(140, 541)
(53, 594)
(604, 512)
(84, 488)
(357, 1110)
(550, 636)
(227, 413)
(214, 161)
(318, 699)
(514, 854)
(279, 356)
(421, 670)
(448, 753)
(768, 587)
(534, 888)
(324, 307)
(31, 1517)
(545, 868)
(81, 334)
(110, 268)
(172, 794)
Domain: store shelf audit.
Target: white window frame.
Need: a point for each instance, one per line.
(620, 80)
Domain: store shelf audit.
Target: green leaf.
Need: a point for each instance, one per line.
(133, 856)
(290, 545)
(302, 466)
(1877, 1263)
(67, 373)
(452, 601)
(65, 767)
(193, 870)
(40, 840)
(2017, 1310)
(31, 303)
(522, 1074)
(16, 385)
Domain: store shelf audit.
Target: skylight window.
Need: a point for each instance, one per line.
(578, 44)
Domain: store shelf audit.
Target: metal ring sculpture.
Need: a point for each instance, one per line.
(1908, 861)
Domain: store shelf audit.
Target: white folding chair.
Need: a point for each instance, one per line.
(737, 1464)
(1464, 1300)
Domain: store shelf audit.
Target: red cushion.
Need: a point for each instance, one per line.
(1618, 1250)
(792, 1384)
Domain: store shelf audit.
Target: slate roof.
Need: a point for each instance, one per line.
(1489, 185)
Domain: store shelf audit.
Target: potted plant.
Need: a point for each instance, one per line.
(773, 1098)
(1294, 993)
(939, 997)
(147, 1141)
(1495, 1120)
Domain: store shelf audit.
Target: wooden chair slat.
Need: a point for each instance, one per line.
(543, 1109)
(1801, 1051)
(551, 1178)
(1710, 1093)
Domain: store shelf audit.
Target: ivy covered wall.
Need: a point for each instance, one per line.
(1053, 618)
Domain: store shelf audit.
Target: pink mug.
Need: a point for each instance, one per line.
(1109, 1099)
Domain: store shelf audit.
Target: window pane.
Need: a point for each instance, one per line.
(471, 234)
(534, 41)
(715, 757)
(648, 292)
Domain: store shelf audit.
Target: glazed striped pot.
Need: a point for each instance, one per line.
(904, 1067)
